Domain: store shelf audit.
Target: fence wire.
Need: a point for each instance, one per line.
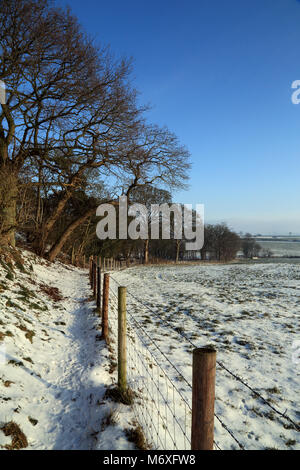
(159, 406)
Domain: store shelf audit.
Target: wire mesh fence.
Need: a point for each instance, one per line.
(160, 408)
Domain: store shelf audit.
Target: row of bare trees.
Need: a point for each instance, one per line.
(220, 243)
(71, 132)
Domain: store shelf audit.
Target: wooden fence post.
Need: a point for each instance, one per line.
(105, 306)
(203, 401)
(122, 360)
(98, 300)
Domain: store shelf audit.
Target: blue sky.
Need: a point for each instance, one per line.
(218, 74)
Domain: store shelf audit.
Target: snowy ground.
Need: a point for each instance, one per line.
(281, 248)
(250, 313)
(53, 368)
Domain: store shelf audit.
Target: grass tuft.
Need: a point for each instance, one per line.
(137, 436)
(52, 292)
(119, 396)
(18, 438)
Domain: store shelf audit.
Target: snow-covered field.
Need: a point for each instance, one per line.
(53, 369)
(250, 313)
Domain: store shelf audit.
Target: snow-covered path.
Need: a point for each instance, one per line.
(70, 393)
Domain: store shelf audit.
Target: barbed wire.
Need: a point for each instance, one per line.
(229, 432)
(222, 366)
(217, 445)
(139, 326)
(165, 401)
(219, 419)
(283, 415)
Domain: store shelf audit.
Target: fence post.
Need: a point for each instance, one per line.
(105, 306)
(91, 271)
(122, 360)
(203, 401)
(98, 301)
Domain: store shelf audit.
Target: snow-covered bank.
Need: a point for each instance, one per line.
(251, 314)
(53, 367)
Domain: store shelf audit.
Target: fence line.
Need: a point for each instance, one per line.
(154, 405)
(225, 427)
(165, 424)
(171, 428)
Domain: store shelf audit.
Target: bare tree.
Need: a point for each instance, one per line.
(63, 93)
(148, 195)
(71, 118)
(250, 247)
(220, 242)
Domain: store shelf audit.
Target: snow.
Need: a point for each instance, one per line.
(250, 313)
(281, 248)
(59, 370)
(59, 379)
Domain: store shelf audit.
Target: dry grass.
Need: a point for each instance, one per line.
(7, 383)
(29, 334)
(52, 292)
(18, 438)
(118, 396)
(111, 419)
(136, 435)
(3, 335)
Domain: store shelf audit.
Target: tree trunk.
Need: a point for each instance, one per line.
(146, 252)
(8, 203)
(58, 245)
(39, 211)
(48, 226)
